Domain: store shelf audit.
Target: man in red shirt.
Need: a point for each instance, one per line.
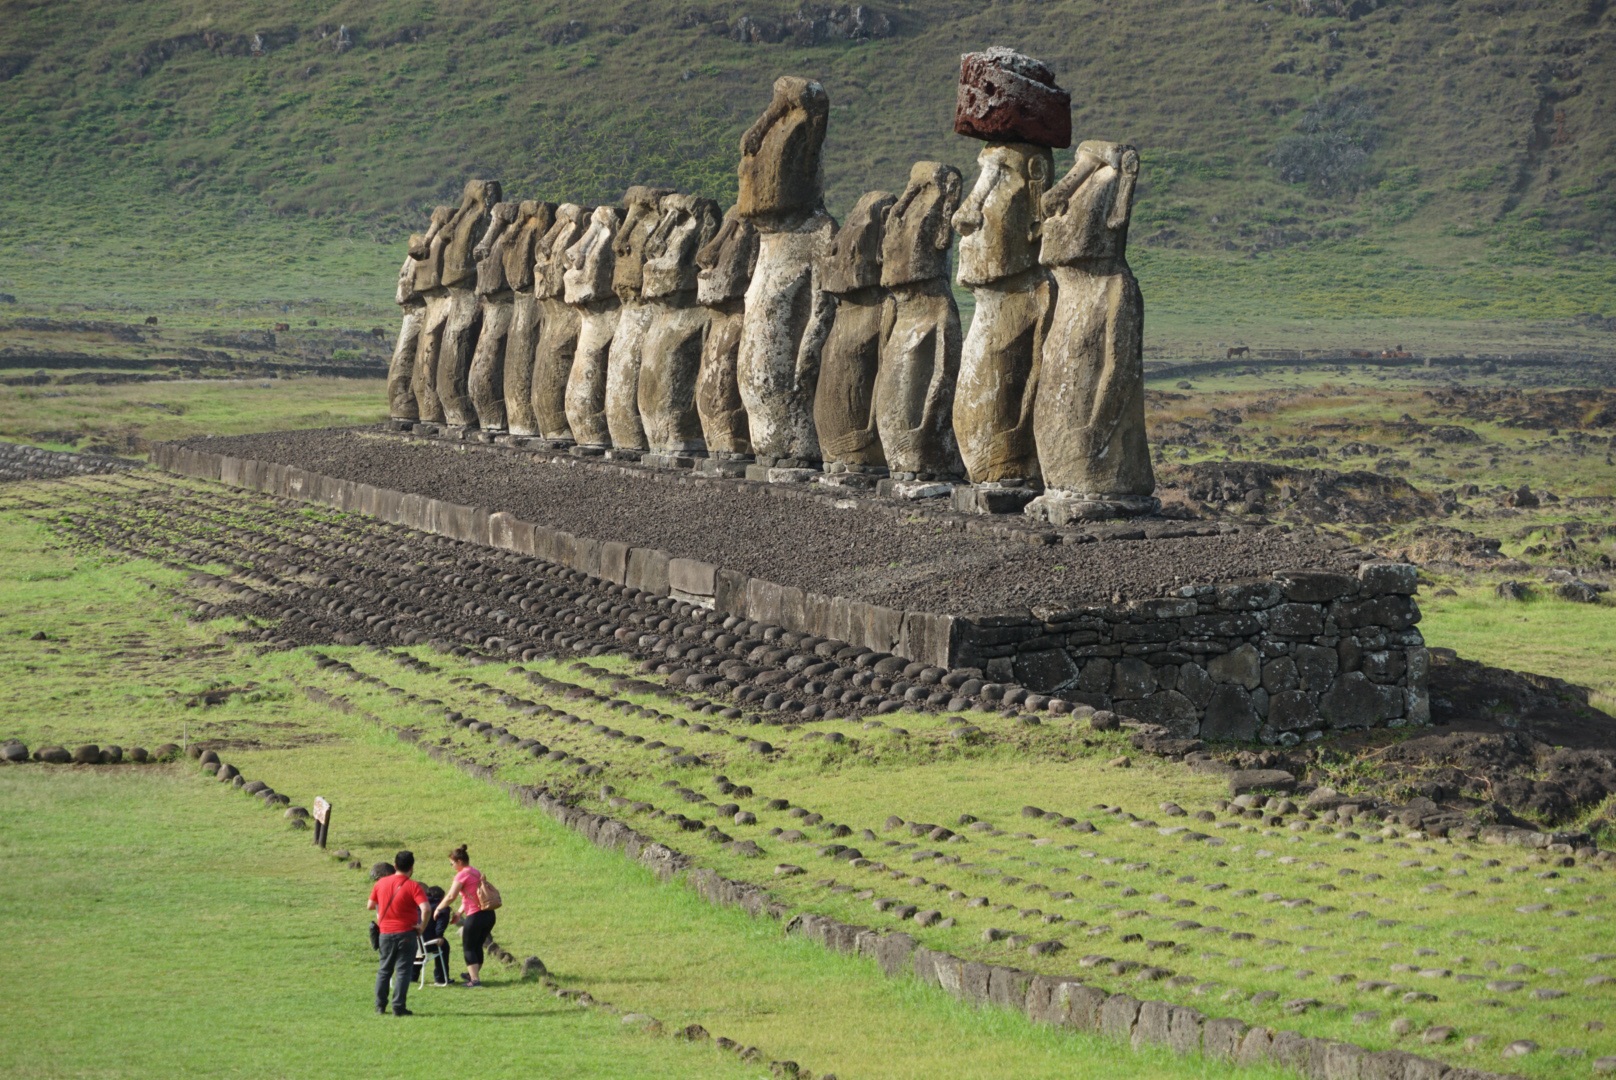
(401, 909)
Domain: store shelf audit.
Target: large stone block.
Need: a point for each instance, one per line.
(1132, 679)
(763, 601)
(1221, 1038)
(882, 627)
(1384, 612)
(1117, 1017)
(647, 569)
(1296, 620)
(1078, 1006)
(1293, 710)
(1152, 1026)
(1045, 670)
(731, 589)
(1355, 702)
(1184, 1030)
(893, 953)
(975, 978)
(692, 577)
(930, 639)
(1242, 667)
(1314, 587)
(1385, 578)
(1007, 987)
(614, 562)
(1168, 708)
(1230, 715)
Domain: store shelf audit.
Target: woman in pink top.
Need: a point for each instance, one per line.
(475, 923)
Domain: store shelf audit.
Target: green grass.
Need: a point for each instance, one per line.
(1548, 636)
(128, 416)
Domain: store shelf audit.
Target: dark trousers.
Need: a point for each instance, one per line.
(398, 961)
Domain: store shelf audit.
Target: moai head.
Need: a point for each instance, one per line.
(1007, 97)
(780, 172)
(919, 229)
(490, 253)
(1086, 214)
(533, 220)
(466, 230)
(687, 223)
(428, 253)
(726, 261)
(853, 260)
(1000, 221)
(590, 261)
(642, 210)
(550, 251)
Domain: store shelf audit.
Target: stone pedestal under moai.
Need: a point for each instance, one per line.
(726, 264)
(459, 341)
(588, 280)
(844, 414)
(641, 215)
(559, 323)
(920, 336)
(485, 384)
(1010, 101)
(670, 359)
(428, 255)
(1090, 417)
(787, 315)
(533, 220)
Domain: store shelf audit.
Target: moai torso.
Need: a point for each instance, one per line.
(485, 383)
(588, 280)
(671, 355)
(726, 264)
(533, 220)
(920, 341)
(558, 322)
(458, 345)
(435, 313)
(401, 404)
(641, 215)
(1090, 418)
(850, 271)
(787, 315)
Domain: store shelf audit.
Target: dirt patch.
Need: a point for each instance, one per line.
(1313, 495)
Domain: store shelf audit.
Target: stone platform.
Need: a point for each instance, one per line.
(1209, 629)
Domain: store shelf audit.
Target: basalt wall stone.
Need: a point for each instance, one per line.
(1277, 660)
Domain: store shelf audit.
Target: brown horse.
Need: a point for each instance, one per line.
(1237, 350)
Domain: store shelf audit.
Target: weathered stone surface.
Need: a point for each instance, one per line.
(557, 343)
(1169, 708)
(998, 226)
(1248, 780)
(588, 279)
(485, 382)
(1354, 701)
(533, 221)
(1241, 667)
(1007, 97)
(401, 404)
(671, 359)
(920, 330)
(641, 217)
(726, 264)
(1045, 670)
(427, 251)
(780, 173)
(1117, 1017)
(1089, 419)
(458, 341)
(1230, 715)
(850, 270)
(1221, 1038)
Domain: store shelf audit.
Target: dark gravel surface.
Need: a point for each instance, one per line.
(915, 563)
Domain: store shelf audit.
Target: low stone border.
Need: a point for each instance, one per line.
(1277, 659)
(15, 752)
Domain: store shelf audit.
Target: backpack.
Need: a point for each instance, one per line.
(488, 897)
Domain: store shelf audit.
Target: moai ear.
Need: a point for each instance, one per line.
(1037, 183)
(1122, 205)
(952, 187)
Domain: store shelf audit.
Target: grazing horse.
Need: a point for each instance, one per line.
(151, 320)
(1237, 350)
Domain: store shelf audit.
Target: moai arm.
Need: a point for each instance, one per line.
(504, 214)
(1057, 197)
(778, 106)
(1046, 316)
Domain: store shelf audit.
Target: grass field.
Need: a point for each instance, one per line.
(118, 664)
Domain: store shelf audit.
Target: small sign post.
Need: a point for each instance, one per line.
(322, 820)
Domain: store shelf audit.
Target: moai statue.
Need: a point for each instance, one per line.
(559, 322)
(485, 384)
(401, 405)
(726, 264)
(844, 416)
(920, 336)
(428, 256)
(459, 342)
(641, 215)
(1090, 416)
(1012, 102)
(533, 220)
(787, 314)
(671, 355)
(588, 280)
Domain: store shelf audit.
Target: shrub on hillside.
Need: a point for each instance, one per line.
(1331, 147)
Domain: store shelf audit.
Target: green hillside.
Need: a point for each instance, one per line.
(1304, 159)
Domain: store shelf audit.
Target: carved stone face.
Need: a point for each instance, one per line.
(641, 213)
(466, 230)
(429, 253)
(1087, 212)
(686, 224)
(780, 155)
(533, 220)
(918, 230)
(726, 261)
(590, 261)
(854, 259)
(550, 251)
(999, 221)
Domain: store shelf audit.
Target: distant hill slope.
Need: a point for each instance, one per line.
(1263, 126)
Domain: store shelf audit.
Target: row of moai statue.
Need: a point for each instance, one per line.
(774, 343)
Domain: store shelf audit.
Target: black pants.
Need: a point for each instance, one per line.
(398, 962)
(474, 933)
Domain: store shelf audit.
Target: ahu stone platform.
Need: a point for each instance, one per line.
(1209, 629)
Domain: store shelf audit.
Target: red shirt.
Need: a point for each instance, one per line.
(398, 903)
